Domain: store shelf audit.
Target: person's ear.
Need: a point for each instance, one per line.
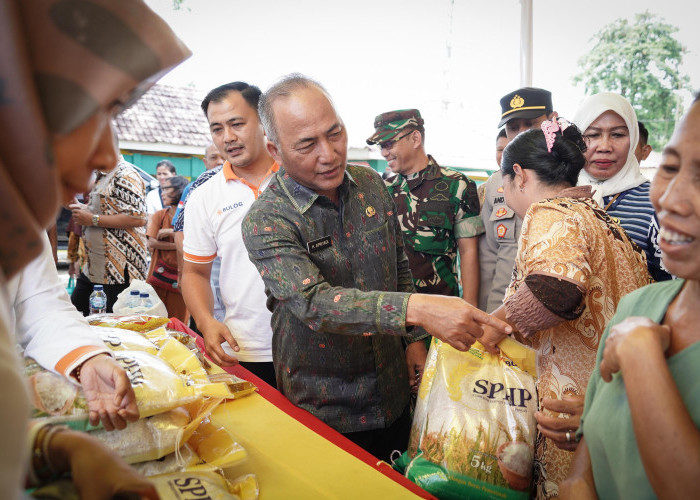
(274, 152)
(521, 176)
(646, 151)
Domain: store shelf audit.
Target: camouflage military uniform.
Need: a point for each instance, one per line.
(435, 206)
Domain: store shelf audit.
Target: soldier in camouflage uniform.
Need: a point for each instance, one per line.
(438, 208)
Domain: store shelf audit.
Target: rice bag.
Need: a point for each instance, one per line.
(157, 386)
(147, 438)
(136, 322)
(178, 461)
(210, 485)
(118, 339)
(55, 398)
(474, 427)
(159, 435)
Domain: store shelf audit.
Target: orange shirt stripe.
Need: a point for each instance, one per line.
(70, 360)
(198, 259)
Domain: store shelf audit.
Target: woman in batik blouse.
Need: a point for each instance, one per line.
(574, 264)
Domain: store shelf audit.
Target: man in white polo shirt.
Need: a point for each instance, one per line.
(213, 227)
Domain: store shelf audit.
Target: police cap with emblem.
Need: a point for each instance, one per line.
(527, 102)
(388, 125)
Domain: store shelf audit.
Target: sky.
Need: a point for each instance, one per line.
(451, 59)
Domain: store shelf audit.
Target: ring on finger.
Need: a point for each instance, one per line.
(568, 436)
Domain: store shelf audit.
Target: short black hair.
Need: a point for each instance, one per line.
(643, 133)
(560, 166)
(178, 184)
(501, 134)
(250, 93)
(168, 164)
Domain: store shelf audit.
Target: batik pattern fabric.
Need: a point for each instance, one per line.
(435, 206)
(115, 255)
(572, 239)
(338, 285)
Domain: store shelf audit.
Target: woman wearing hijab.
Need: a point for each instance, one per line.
(641, 423)
(67, 68)
(610, 128)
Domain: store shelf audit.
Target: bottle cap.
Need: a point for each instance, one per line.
(97, 288)
(144, 294)
(134, 293)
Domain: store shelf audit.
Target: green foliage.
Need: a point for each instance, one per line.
(641, 61)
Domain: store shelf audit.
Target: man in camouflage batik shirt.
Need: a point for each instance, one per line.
(438, 208)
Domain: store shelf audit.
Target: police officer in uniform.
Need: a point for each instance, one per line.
(437, 207)
(521, 110)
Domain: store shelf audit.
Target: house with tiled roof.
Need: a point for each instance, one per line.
(165, 123)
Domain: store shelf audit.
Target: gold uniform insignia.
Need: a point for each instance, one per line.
(517, 101)
(370, 211)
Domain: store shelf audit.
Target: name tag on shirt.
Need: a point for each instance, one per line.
(319, 244)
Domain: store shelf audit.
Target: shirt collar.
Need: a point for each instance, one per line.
(230, 175)
(576, 192)
(430, 172)
(303, 197)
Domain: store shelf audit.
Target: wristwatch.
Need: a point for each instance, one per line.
(95, 219)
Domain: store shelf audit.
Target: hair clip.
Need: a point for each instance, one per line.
(550, 128)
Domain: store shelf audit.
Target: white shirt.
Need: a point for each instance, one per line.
(14, 409)
(213, 219)
(153, 201)
(45, 321)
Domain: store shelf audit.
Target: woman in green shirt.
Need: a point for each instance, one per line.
(640, 426)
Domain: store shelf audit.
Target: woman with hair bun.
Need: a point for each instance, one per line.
(574, 264)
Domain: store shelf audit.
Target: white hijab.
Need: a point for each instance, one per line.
(630, 175)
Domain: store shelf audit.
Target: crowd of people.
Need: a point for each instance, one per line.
(327, 280)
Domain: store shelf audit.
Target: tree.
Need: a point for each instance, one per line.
(641, 61)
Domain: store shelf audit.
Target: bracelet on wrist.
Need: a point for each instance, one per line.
(44, 469)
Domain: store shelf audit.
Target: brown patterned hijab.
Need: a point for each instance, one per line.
(63, 63)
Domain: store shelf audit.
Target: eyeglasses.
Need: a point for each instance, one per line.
(390, 144)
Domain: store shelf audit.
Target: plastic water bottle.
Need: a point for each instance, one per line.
(134, 300)
(146, 302)
(98, 300)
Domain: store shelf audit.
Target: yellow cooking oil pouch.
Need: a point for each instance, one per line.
(215, 446)
(159, 435)
(474, 428)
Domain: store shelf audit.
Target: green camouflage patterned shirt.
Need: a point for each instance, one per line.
(436, 206)
(338, 284)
